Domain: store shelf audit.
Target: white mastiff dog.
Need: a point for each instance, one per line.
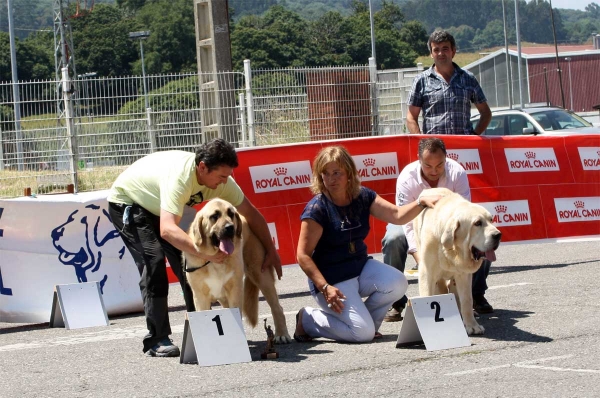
(453, 238)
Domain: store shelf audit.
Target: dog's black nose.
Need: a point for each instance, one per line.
(229, 230)
(497, 236)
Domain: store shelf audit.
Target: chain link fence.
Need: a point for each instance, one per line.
(86, 130)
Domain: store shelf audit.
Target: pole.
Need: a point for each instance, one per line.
(71, 134)
(508, 68)
(372, 33)
(144, 75)
(570, 83)
(519, 53)
(562, 93)
(16, 95)
(546, 85)
(249, 102)
(374, 102)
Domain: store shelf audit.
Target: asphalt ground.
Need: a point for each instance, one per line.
(541, 341)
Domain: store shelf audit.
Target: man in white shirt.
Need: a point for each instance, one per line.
(432, 170)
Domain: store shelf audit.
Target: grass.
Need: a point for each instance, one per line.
(13, 183)
(464, 59)
(49, 120)
(461, 59)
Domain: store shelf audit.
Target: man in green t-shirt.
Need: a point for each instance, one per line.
(146, 203)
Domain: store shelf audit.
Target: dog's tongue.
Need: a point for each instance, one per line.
(226, 246)
(490, 255)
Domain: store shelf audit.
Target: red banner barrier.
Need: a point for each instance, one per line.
(535, 187)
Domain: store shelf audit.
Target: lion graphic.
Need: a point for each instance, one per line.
(79, 241)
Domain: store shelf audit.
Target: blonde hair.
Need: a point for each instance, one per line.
(339, 155)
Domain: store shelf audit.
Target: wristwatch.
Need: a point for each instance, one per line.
(421, 205)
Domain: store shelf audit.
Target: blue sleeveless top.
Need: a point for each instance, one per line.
(341, 253)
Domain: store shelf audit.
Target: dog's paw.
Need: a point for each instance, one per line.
(284, 339)
(474, 328)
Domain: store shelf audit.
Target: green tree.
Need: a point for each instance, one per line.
(36, 57)
(491, 36)
(536, 24)
(580, 30)
(327, 36)
(101, 41)
(391, 50)
(171, 46)
(276, 40)
(463, 35)
(593, 9)
(239, 8)
(132, 5)
(415, 35)
(5, 65)
(28, 16)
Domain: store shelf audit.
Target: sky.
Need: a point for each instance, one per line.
(573, 4)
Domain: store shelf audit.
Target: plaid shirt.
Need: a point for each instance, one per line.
(446, 106)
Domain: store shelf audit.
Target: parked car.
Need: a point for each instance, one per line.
(533, 121)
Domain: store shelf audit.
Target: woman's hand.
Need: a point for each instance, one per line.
(334, 298)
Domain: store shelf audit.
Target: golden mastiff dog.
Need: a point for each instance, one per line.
(218, 226)
(452, 239)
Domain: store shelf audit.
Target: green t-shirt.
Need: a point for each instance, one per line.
(167, 180)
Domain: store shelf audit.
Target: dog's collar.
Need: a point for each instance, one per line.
(195, 269)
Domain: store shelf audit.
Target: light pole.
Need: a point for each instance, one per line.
(570, 82)
(560, 85)
(141, 35)
(16, 95)
(85, 90)
(518, 29)
(508, 65)
(372, 24)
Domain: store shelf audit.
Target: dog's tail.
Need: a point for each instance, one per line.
(250, 301)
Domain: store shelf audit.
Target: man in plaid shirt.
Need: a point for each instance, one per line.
(444, 93)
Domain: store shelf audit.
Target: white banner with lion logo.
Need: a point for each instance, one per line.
(61, 239)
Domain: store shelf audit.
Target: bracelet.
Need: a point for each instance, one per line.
(324, 288)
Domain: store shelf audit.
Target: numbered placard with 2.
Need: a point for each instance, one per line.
(435, 321)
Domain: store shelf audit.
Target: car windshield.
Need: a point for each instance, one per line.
(558, 119)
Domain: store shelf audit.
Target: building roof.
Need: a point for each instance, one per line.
(550, 49)
(539, 52)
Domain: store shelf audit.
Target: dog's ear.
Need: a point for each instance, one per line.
(197, 230)
(449, 233)
(238, 223)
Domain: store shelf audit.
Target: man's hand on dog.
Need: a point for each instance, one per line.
(430, 201)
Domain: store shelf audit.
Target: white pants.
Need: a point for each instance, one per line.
(358, 322)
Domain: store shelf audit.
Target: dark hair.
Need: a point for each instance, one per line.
(432, 145)
(339, 155)
(215, 153)
(439, 36)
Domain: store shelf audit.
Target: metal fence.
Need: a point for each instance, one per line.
(86, 130)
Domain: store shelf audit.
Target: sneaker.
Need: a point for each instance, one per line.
(164, 348)
(481, 305)
(415, 268)
(393, 315)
